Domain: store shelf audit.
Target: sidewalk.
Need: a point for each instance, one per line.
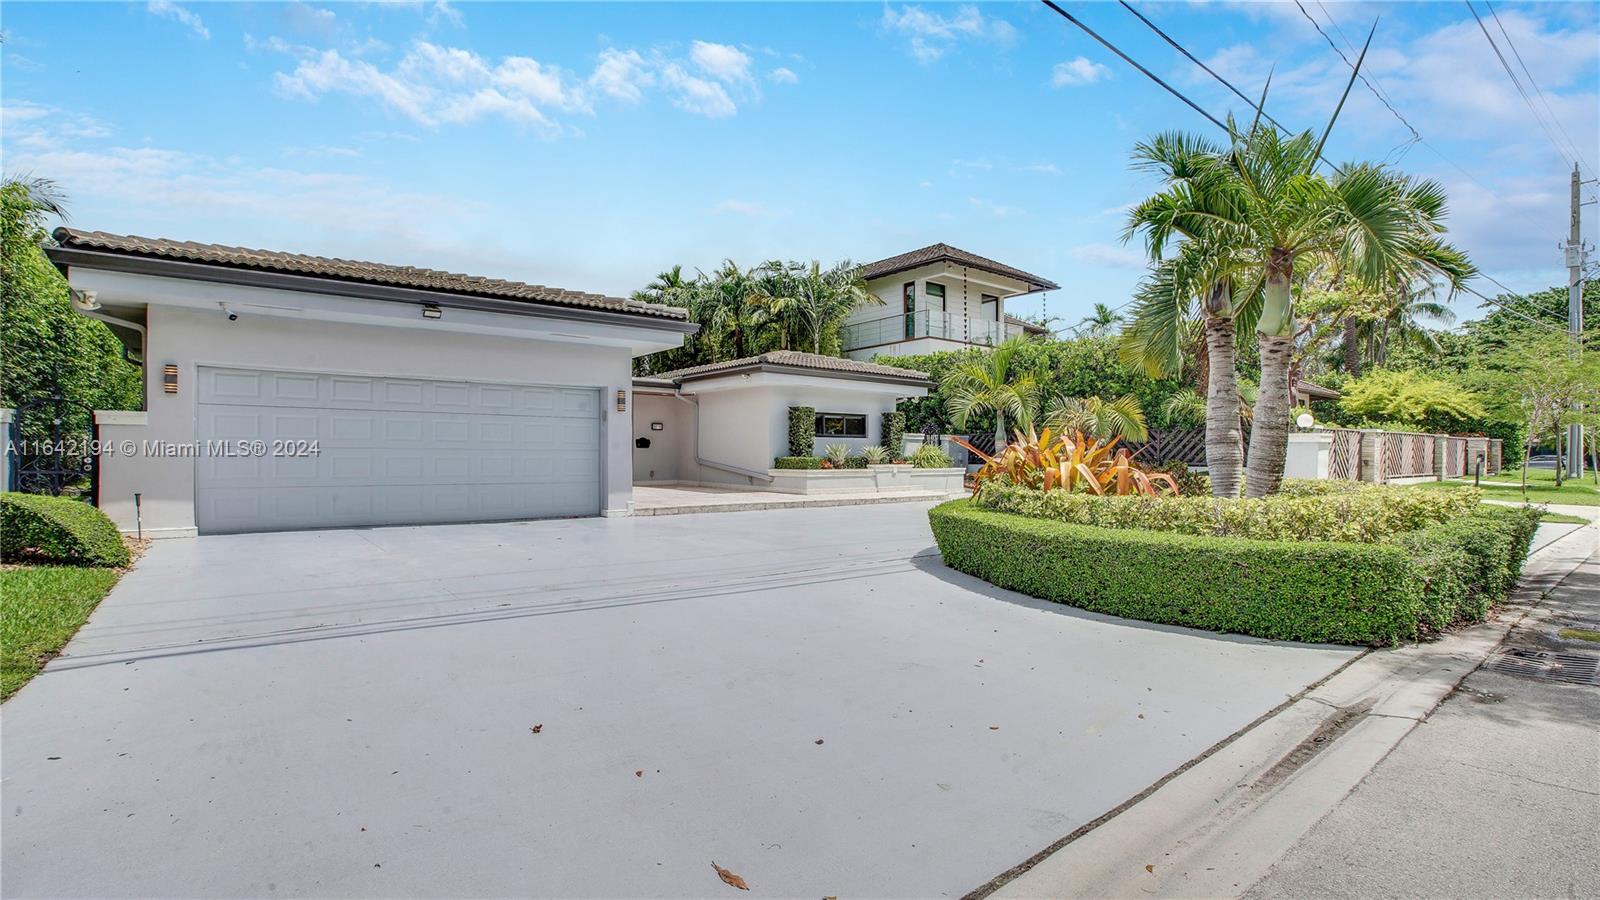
(1497, 794)
(1353, 789)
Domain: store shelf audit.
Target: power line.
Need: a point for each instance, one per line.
(1511, 309)
(1517, 83)
(1130, 61)
(1209, 71)
(1375, 92)
(1571, 144)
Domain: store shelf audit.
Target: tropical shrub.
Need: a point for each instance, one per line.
(797, 462)
(1366, 516)
(1069, 461)
(874, 455)
(836, 454)
(58, 529)
(1190, 483)
(931, 456)
(1416, 401)
(802, 430)
(894, 433)
(1326, 591)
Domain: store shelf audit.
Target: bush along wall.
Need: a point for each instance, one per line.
(797, 462)
(802, 430)
(894, 433)
(58, 529)
(1319, 591)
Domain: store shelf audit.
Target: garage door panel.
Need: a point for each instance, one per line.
(393, 451)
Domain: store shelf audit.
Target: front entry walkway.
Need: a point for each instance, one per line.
(674, 499)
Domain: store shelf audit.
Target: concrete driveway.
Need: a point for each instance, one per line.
(806, 697)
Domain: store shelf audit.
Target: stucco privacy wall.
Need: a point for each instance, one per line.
(670, 456)
(193, 338)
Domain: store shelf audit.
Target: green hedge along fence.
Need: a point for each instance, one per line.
(58, 529)
(1316, 591)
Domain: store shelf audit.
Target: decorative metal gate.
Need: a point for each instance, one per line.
(50, 449)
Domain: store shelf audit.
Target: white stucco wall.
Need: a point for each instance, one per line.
(670, 456)
(191, 338)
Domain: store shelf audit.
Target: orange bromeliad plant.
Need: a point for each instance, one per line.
(1067, 461)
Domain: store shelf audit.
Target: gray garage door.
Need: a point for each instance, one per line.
(389, 451)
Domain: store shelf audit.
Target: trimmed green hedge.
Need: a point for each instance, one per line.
(797, 462)
(1317, 591)
(802, 430)
(894, 433)
(1361, 515)
(58, 529)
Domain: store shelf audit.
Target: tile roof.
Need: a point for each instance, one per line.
(1033, 327)
(946, 253)
(791, 359)
(354, 271)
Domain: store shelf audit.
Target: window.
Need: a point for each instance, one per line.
(841, 425)
(991, 308)
(908, 300)
(934, 293)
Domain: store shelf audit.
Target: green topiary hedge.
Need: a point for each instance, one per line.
(894, 433)
(797, 462)
(1362, 515)
(1318, 591)
(802, 430)
(57, 529)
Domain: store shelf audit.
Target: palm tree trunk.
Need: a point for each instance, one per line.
(1352, 346)
(1269, 427)
(1224, 447)
(999, 430)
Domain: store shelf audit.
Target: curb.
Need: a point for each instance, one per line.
(1217, 824)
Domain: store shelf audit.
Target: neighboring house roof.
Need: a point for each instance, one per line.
(1025, 325)
(794, 362)
(1315, 391)
(102, 244)
(946, 253)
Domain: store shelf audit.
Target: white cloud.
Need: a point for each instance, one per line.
(746, 208)
(697, 95)
(169, 10)
(1040, 169)
(932, 34)
(308, 19)
(443, 12)
(622, 74)
(1112, 256)
(434, 84)
(322, 150)
(783, 75)
(721, 61)
(997, 210)
(1078, 71)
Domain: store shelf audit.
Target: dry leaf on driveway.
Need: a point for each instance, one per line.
(729, 878)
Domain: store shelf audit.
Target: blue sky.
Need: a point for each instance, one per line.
(591, 145)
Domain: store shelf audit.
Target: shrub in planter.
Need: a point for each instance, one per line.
(931, 456)
(802, 430)
(1287, 590)
(837, 454)
(58, 529)
(797, 462)
(874, 455)
(894, 433)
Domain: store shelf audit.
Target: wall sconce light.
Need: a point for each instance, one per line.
(622, 401)
(169, 378)
(430, 311)
(657, 426)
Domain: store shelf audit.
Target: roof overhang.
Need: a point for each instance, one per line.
(952, 268)
(757, 366)
(67, 258)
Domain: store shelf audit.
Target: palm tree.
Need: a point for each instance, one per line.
(1205, 280)
(728, 303)
(1098, 418)
(1265, 203)
(992, 383)
(1101, 322)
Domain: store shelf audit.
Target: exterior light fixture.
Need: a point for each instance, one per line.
(431, 311)
(1304, 420)
(657, 426)
(622, 401)
(169, 378)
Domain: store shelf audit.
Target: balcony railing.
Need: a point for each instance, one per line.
(926, 323)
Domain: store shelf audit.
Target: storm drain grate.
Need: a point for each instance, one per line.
(1568, 668)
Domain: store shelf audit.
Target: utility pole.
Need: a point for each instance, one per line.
(1574, 461)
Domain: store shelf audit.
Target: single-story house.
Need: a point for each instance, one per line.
(938, 298)
(288, 391)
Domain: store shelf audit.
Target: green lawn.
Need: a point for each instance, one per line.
(1541, 488)
(1562, 519)
(41, 607)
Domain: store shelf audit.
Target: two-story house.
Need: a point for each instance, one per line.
(938, 298)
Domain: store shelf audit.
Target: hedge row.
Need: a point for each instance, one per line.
(802, 430)
(1317, 591)
(797, 462)
(58, 529)
(1360, 515)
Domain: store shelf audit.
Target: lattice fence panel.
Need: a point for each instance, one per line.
(1344, 457)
